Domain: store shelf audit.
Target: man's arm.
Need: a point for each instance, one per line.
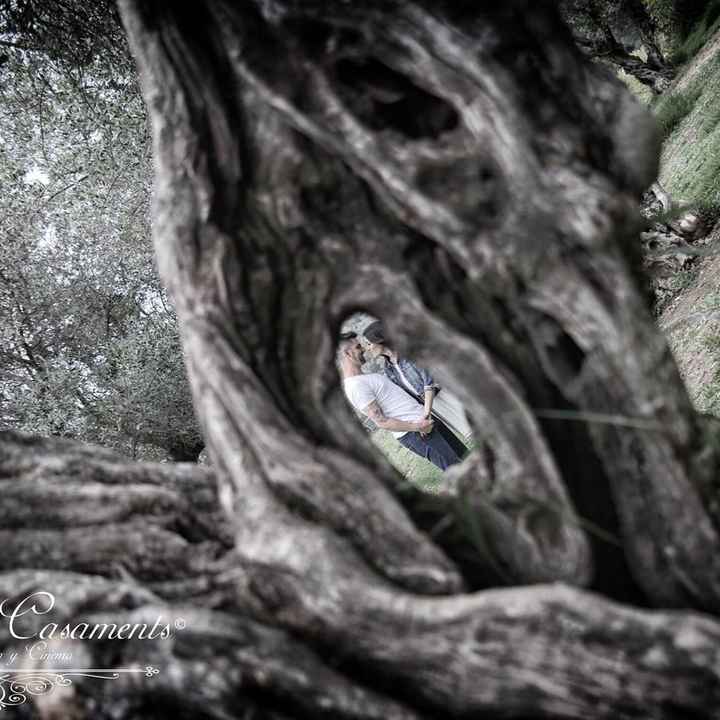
(429, 397)
(374, 412)
(430, 388)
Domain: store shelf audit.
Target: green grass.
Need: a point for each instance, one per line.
(680, 281)
(707, 191)
(417, 470)
(671, 109)
(684, 279)
(699, 35)
(709, 398)
(690, 121)
(698, 183)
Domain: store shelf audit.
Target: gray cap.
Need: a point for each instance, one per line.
(374, 333)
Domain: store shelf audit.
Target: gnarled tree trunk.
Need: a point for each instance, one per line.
(463, 173)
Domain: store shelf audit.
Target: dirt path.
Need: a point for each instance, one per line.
(691, 322)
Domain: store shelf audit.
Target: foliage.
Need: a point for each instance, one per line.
(676, 18)
(700, 33)
(682, 280)
(709, 398)
(605, 27)
(88, 342)
(623, 33)
(72, 33)
(663, 12)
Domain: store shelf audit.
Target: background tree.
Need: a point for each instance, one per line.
(89, 342)
(463, 173)
(626, 34)
(73, 33)
(677, 17)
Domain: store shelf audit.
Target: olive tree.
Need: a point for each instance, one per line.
(462, 172)
(88, 341)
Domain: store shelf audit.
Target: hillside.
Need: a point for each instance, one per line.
(690, 171)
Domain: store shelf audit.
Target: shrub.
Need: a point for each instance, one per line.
(671, 109)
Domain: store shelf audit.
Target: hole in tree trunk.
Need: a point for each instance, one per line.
(383, 99)
(394, 396)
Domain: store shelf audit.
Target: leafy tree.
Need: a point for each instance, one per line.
(676, 17)
(619, 32)
(88, 337)
(74, 33)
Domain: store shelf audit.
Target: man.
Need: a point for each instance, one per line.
(445, 409)
(390, 407)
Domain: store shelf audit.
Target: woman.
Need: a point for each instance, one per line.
(420, 384)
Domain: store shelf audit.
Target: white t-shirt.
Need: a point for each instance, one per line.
(395, 403)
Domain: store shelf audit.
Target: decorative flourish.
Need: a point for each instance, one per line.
(17, 685)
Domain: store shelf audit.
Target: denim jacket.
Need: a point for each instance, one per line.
(419, 378)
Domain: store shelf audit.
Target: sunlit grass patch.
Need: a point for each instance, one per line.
(417, 470)
(691, 155)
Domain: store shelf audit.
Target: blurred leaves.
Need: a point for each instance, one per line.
(88, 339)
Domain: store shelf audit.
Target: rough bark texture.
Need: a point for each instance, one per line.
(258, 641)
(464, 174)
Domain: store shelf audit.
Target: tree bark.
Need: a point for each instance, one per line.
(654, 75)
(465, 174)
(255, 638)
(279, 213)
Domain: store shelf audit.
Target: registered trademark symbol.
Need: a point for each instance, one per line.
(180, 623)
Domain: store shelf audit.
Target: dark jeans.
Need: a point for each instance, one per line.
(433, 447)
(458, 446)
